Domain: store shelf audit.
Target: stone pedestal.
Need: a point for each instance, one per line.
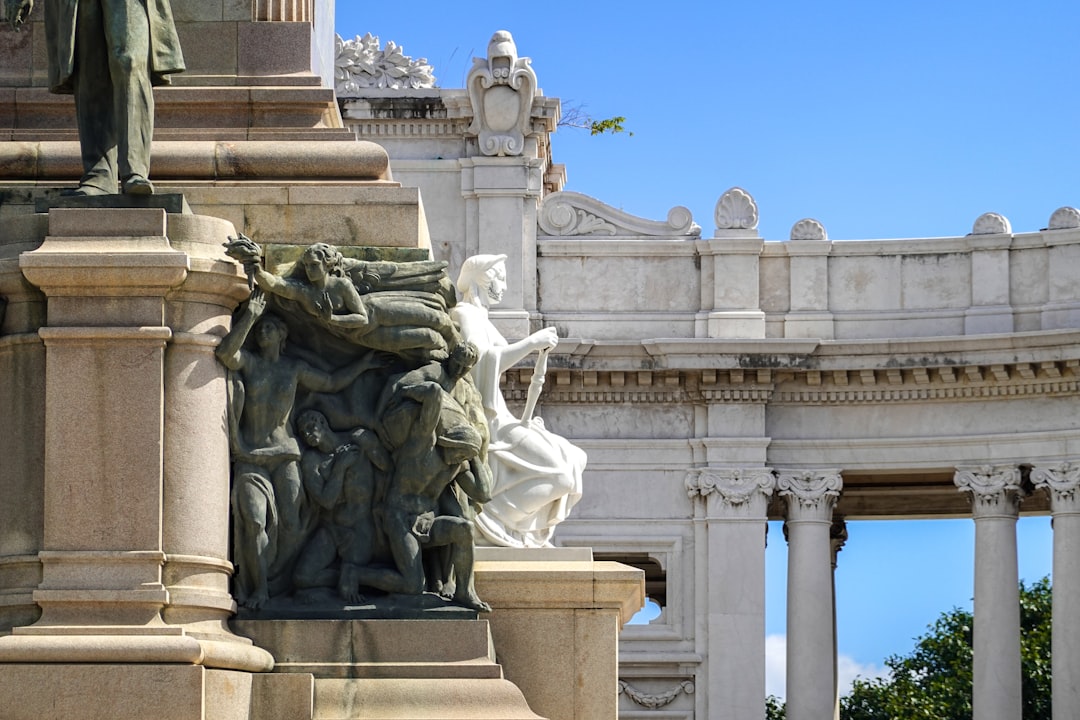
(556, 616)
(382, 669)
(134, 547)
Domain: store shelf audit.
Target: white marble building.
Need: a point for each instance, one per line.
(717, 380)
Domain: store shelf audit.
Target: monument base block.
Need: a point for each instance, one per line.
(106, 692)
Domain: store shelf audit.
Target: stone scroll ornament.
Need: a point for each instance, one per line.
(501, 89)
(359, 443)
(536, 474)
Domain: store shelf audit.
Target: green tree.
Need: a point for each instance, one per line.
(934, 679)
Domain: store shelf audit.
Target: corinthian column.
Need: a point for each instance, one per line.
(995, 503)
(810, 496)
(736, 501)
(1062, 482)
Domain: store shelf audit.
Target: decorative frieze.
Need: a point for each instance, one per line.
(658, 700)
(793, 386)
(994, 489)
(810, 494)
(742, 492)
(1062, 481)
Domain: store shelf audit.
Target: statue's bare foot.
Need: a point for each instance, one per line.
(256, 601)
(349, 585)
(470, 600)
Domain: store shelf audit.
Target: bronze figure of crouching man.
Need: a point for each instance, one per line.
(109, 54)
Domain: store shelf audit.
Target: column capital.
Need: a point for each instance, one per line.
(736, 492)
(995, 489)
(1062, 481)
(810, 494)
(838, 535)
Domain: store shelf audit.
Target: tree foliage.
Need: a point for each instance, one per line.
(934, 679)
(574, 116)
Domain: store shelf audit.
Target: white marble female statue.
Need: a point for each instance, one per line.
(536, 473)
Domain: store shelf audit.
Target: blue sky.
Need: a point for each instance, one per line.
(879, 120)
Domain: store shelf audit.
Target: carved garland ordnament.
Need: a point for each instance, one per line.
(568, 213)
(360, 63)
(659, 700)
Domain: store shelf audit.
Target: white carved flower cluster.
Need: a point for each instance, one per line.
(361, 63)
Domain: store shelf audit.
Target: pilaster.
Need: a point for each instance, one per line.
(736, 500)
(995, 500)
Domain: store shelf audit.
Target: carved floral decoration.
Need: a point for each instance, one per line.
(501, 88)
(360, 63)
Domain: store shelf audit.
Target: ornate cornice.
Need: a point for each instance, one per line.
(659, 700)
(564, 214)
(995, 489)
(806, 387)
(742, 492)
(1062, 482)
(810, 494)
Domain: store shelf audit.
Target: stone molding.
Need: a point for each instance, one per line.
(995, 489)
(810, 495)
(736, 210)
(991, 224)
(361, 63)
(1061, 481)
(568, 213)
(742, 492)
(658, 700)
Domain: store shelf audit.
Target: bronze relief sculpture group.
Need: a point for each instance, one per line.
(371, 445)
